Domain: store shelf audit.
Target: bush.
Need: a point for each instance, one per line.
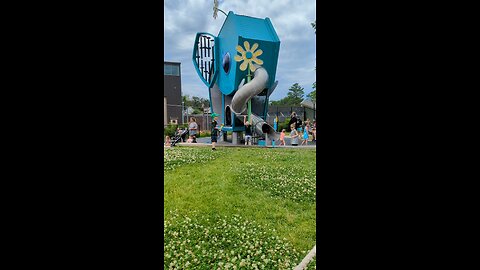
(169, 130)
(204, 133)
(284, 125)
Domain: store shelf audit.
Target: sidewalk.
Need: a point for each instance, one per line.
(206, 141)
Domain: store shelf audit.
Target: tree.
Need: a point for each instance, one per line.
(293, 98)
(197, 103)
(313, 96)
(296, 94)
(205, 102)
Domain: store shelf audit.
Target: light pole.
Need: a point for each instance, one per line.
(203, 118)
(183, 112)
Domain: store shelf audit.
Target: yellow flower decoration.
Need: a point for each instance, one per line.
(248, 56)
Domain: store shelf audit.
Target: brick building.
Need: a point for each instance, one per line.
(172, 90)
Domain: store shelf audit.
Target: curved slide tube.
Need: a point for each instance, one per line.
(263, 127)
(248, 91)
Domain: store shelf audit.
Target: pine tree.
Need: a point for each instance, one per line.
(295, 94)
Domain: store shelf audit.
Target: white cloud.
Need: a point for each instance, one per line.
(291, 19)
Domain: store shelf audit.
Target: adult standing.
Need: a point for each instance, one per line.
(293, 120)
(193, 128)
(298, 125)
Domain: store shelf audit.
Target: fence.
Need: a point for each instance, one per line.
(172, 114)
(284, 112)
(204, 120)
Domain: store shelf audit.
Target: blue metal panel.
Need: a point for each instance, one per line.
(223, 109)
(272, 30)
(269, 58)
(226, 81)
(228, 40)
(254, 28)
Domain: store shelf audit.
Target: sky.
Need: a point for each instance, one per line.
(291, 19)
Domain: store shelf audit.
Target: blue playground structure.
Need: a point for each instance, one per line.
(238, 67)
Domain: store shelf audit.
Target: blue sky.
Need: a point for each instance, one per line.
(291, 19)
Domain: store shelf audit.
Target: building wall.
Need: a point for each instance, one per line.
(165, 119)
(172, 89)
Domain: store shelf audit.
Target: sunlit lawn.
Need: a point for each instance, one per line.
(238, 207)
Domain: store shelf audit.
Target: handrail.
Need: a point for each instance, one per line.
(307, 259)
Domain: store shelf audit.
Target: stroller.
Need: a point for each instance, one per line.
(178, 136)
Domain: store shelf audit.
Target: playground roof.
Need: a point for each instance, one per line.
(251, 28)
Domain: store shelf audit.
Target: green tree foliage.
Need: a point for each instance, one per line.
(284, 125)
(313, 96)
(293, 98)
(196, 103)
(295, 94)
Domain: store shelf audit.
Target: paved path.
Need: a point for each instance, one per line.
(204, 141)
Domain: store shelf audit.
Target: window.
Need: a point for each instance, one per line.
(167, 70)
(172, 70)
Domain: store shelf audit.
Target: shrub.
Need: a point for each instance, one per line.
(204, 133)
(169, 130)
(284, 125)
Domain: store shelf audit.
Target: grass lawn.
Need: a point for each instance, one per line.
(249, 208)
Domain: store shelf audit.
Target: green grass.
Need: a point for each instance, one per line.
(269, 190)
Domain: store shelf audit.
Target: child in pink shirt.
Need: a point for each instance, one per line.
(282, 137)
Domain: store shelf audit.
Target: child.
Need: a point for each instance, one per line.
(167, 141)
(299, 125)
(282, 137)
(305, 135)
(314, 131)
(294, 135)
(214, 130)
(248, 131)
(190, 139)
